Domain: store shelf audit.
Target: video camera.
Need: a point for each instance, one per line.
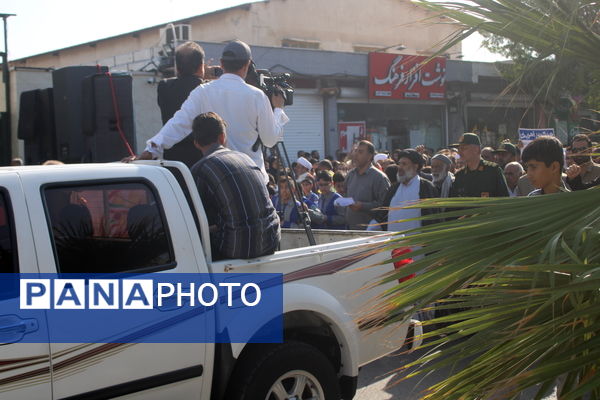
(270, 83)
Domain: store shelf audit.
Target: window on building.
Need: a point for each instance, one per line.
(8, 248)
(116, 227)
(301, 43)
(392, 126)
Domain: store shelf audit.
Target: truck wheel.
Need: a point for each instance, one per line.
(285, 371)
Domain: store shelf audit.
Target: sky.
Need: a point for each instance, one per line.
(45, 25)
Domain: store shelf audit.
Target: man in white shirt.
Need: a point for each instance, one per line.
(442, 177)
(246, 110)
(409, 189)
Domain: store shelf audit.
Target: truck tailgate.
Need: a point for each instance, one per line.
(339, 270)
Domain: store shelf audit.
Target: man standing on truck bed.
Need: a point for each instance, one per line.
(171, 93)
(245, 108)
(243, 222)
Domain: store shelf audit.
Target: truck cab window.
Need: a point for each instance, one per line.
(115, 227)
(8, 250)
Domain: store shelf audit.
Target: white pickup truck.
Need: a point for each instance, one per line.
(323, 345)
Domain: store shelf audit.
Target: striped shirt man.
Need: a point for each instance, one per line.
(244, 223)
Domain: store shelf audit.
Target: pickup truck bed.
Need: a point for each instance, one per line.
(321, 294)
(296, 238)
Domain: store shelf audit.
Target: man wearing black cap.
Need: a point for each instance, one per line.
(506, 153)
(478, 178)
(246, 110)
(409, 189)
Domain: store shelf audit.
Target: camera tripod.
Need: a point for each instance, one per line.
(278, 149)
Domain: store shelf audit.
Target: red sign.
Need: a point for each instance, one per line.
(350, 133)
(402, 76)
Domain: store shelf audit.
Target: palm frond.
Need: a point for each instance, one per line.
(549, 27)
(555, 44)
(522, 276)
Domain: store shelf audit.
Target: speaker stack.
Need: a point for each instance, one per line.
(76, 120)
(108, 106)
(36, 125)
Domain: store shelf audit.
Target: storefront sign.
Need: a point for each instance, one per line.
(401, 76)
(350, 133)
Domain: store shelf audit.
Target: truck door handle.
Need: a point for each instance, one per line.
(13, 328)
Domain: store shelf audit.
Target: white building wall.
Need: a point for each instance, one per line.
(337, 25)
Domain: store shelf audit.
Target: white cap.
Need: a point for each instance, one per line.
(304, 162)
(380, 157)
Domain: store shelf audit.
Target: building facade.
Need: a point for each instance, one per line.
(327, 53)
(334, 25)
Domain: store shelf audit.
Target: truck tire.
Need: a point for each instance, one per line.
(281, 371)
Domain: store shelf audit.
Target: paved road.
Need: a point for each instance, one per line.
(376, 381)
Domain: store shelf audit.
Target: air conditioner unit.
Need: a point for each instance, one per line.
(174, 34)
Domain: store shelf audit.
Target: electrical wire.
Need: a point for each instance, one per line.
(116, 111)
(117, 114)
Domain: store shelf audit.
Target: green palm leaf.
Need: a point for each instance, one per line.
(559, 28)
(524, 274)
(558, 40)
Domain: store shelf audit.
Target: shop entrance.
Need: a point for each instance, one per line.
(397, 134)
(392, 126)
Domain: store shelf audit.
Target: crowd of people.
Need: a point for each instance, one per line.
(217, 128)
(366, 189)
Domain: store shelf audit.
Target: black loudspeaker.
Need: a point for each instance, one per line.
(67, 83)
(36, 125)
(108, 100)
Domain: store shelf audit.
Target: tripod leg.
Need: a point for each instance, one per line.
(299, 204)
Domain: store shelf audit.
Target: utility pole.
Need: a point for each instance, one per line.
(5, 129)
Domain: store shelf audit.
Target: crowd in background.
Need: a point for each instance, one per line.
(366, 189)
(367, 180)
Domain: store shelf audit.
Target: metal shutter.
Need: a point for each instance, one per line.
(305, 129)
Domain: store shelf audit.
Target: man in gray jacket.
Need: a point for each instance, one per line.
(366, 185)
